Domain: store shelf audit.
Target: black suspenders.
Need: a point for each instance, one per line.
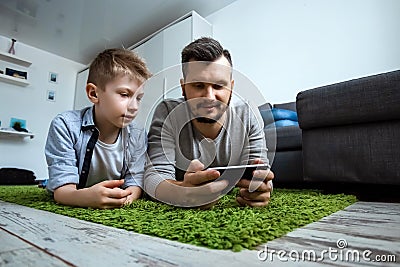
(88, 156)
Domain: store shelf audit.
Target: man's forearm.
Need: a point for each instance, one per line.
(169, 191)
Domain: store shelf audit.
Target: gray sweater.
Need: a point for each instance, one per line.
(173, 142)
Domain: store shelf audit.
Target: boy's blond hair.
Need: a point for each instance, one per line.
(116, 62)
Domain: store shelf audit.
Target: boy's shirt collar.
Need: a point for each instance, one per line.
(88, 119)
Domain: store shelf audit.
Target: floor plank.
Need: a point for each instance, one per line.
(363, 226)
(16, 252)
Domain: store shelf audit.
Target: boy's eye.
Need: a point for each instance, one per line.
(124, 94)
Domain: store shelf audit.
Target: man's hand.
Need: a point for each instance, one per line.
(196, 190)
(257, 191)
(104, 195)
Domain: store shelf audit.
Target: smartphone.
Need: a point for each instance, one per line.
(242, 171)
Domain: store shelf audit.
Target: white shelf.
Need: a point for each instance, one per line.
(14, 59)
(9, 132)
(13, 80)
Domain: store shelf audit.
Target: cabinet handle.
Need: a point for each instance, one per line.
(165, 88)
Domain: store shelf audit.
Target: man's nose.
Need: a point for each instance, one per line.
(209, 92)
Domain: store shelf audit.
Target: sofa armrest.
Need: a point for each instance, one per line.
(368, 99)
(289, 106)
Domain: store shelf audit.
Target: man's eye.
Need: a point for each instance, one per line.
(217, 86)
(124, 94)
(198, 85)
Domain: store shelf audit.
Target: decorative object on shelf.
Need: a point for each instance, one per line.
(51, 95)
(53, 77)
(16, 73)
(12, 48)
(18, 125)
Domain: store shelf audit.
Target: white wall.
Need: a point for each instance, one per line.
(30, 103)
(286, 46)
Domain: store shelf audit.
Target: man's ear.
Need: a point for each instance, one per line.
(182, 82)
(91, 92)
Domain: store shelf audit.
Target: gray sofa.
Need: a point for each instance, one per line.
(351, 131)
(283, 137)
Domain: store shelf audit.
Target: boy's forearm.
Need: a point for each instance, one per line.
(69, 195)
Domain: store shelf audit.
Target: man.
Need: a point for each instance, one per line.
(204, 130)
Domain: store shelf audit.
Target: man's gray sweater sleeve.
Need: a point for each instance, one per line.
(160, 150)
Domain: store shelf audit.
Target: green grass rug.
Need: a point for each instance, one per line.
(224, 226)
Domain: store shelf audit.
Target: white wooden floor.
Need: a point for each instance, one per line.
(30, 237)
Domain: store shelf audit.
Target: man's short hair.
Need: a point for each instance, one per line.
(203, 49)
(115, 62)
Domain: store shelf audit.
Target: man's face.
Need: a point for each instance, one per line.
(208, 89)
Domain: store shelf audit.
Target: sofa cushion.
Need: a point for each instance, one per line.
(368, 99)
(287, 138)
(283, 114)
(285, 123)
(363, 153)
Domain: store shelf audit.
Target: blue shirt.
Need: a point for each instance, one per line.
(67, 144)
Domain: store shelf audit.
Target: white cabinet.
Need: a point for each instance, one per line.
(81, 99)
(7, 57)
(162, 53)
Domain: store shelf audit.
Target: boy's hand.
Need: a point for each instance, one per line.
(135, 194)
(256, 192)
(107, 194)
(104, 195)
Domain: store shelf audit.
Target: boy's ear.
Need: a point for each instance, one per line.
(91, 92)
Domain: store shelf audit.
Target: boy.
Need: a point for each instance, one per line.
(93, 152)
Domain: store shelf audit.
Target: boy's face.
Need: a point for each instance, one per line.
(208, 87)
(118, 103)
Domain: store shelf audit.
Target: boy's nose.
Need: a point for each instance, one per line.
(133, 104)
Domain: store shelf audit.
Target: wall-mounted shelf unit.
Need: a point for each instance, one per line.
(5, 132)
(14, 59)
(13, 80)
